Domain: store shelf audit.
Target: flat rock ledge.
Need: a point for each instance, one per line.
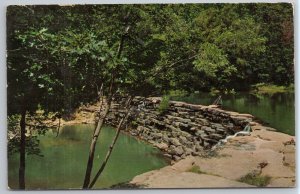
(265, 153)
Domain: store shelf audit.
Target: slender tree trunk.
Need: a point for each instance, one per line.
(101, 120)
(111, 147)
(22, 151)
(93, 145)
(57, 133)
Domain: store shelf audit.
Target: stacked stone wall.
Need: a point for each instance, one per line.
(182, 129)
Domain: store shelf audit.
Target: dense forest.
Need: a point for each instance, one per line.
(60, 57)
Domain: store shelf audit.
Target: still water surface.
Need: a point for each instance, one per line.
(276, 110)
(64, 162)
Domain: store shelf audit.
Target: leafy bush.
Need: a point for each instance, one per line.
(255, 179)
(178, 93)
(164, 104)
(195, 169)
(264, 88)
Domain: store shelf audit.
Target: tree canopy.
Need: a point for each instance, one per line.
(58, 52)
(58, 57)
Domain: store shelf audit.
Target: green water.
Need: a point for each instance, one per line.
(64, 162)
(275, 110)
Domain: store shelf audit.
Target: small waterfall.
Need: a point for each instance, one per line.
(246, 131)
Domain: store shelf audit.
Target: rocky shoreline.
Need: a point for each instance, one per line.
(186, 134)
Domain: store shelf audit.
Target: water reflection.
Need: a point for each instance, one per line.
(65, 157)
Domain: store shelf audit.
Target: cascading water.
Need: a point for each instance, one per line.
(246, 131)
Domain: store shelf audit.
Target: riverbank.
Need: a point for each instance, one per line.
(263, 158)
(83, 115)
(263, 88)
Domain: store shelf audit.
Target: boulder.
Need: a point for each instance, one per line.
(158, 135)
(178, 151)
(198, 148)
(175, 141)
(210, 141)
(215, 136)
(176, 158)
(206, 144)
(182, 139)
(167, 121)
(140, 128)
(192, 118)
(133, 133)
(202, 121)
(196, 125)
(193, 129)
(184, 126)
(162, 146)
(185, 134)
(174, 114)
(208, 129)
(165, 138)
(168, 155)
(182, 120)
(238, 120)
(171, 149)
(203, 136)
(188, 151)
(230, 125)
(189, 144)
(216, 125)
(171, 128)
(176, 124)
(199, 133)
(221, 130)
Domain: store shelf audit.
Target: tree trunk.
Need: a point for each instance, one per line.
(57, 133)
(93, 145)
(101, 120)
(22, 151)
(110, 147)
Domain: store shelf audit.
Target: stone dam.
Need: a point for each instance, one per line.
(182, 129)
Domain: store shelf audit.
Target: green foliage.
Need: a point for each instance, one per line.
(164, 104)
(195, 169)
(263, 88)
(13, 138)
(169, 47)
(210, 60)
(32, 146)
(57, 60)
(177, 93)
(255, 179)
(134, 124)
